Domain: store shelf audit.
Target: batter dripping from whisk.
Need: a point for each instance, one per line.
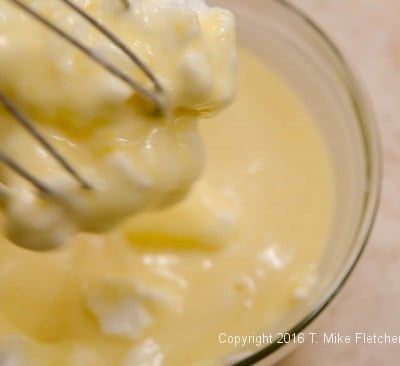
(127, 129)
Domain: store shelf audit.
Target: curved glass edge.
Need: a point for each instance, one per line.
(372, 147)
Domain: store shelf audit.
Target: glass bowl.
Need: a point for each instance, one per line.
(302, 53)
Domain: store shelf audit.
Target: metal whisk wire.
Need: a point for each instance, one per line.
(12, 164)
(29, 126)
(24, 121)
(116, 42)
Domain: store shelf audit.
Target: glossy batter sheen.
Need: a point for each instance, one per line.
(233, 257)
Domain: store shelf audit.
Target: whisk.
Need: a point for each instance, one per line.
(154, 96)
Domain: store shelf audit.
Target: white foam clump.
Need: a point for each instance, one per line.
(305, 287)
(275, 256)
(123, 307)
(147, 353)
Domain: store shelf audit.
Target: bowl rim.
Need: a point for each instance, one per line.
(374, 172)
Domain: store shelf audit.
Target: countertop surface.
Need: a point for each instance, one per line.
(368, 33)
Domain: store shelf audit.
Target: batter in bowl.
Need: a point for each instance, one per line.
(232, 257)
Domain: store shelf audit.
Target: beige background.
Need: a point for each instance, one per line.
(368, 32)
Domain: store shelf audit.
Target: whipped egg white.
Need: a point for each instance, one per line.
(134, 159)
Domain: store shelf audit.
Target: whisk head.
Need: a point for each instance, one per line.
(154, 95)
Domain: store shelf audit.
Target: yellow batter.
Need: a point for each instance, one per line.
(269, 183)
(233, 256)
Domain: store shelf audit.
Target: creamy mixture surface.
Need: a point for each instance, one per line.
(233, 255)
